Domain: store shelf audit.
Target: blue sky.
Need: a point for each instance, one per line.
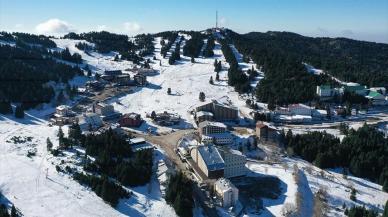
(359, 19)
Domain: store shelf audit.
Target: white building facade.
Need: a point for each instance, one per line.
(226, 191)
(300, 109)
(234, 162)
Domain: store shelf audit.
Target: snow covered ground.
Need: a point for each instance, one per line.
(312, 179)
(186, 81)
(289, 187)
(97, 62)
(23, 179)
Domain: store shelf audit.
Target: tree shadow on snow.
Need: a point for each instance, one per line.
(4, 200)
(145, 127)
(260, 191)
(126, 208)
(306, 194)
(153, 86)
(151, 193)
(176, 94)
(364, 184)
(28, 119)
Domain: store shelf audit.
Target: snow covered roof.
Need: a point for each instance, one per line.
(222, 101)
(142, 146)
(203, 113)
(320, 112)
(211, 123)
(137, 140)
(294, 117)
(230, 151)
(103, 105)
(300, 105)
(131, 115)
(352, 84)
(212, 157)
(62, 107)
(262, 124)
(377, 88)
(90, 118)
(217, 135)
(224, 184)
(225, 101)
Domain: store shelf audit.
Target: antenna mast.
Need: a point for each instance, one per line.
(216, 19)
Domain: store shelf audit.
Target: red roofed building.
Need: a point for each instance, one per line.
(130, 120)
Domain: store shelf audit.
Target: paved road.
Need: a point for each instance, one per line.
(169, 143)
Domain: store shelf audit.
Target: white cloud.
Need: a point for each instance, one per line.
(131, 27)
(53, 26)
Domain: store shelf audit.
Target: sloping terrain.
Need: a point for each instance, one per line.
(37, 189)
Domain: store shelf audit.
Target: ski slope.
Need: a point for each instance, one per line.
(24, 183)
(312, 179)
(23, 180)
(186, 81)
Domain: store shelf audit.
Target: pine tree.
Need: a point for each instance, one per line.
(13, 211)
(153, 115)
(385, 213)
(271, 105)
(219, 66)
(328, 112)
(19, 112)
(5, 108)
(202, 96)
(49, 144)
(75, 133)
(74, 91)
(385, 186)
(60, 97)
(97, 76)
(68, 89)
(353, 194)
(60, 136)
(211, 80)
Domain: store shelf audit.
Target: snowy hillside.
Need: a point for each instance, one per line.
(34, 186)
(313, 179)
(37, 189)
